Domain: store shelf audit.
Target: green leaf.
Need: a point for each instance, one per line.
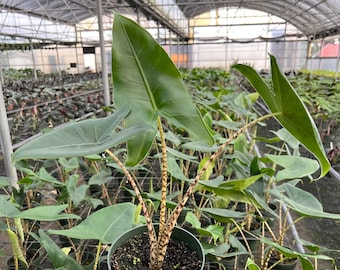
(87, 137)
(155, 198)
(180, 155)
(47, 213)
(294, 166)
(232, 190)
(214, 231)
(301, 201)
(16, 247)
(171, 137)
(223, 215)
(209, 169)
(199, 146)
(241, 184)
(104, 225)
(221, 250)
(4, 181)
(145, 78)
(95, 202)
(70, 164)
(57, 257)
(285, 136)
(289, 253)
(42, 175)
(250, 265)
(8, 209)
(228, 193)
(228, 124)
(102, 177)
(193, 220)
(314, 247)
(293, 115)
(174, 169)
(76, 192)
(94, 157)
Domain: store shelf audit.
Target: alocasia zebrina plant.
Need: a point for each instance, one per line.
(148, 90)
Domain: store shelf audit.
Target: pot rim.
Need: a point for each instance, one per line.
(183, 236)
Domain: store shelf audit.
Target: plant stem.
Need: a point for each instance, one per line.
(178, 209)
(162, 215)
(151, 230)
(99, 247)
(243, 237)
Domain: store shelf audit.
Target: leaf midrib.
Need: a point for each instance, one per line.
(144, 77)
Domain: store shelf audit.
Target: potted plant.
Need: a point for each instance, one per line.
(23, 255)
(150, 96)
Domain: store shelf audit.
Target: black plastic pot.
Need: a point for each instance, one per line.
(178, 234)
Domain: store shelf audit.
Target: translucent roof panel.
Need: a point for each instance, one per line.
(316, 18)
(312, 17)
(25, 26)
(72, 12)
(68, 12)
(241, 25)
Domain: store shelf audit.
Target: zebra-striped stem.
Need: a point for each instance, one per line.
(157, 258)
(178, 209)
(151, 230)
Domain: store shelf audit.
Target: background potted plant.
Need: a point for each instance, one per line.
(26, 255)
(148, 89)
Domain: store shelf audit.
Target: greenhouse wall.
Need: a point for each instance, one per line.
(51, 60)
(48, 60)
(323, 64)
(291, 55)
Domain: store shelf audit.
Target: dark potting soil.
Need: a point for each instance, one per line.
(134, 254)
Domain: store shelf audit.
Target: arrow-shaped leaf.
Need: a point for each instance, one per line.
(83, 138)
(301, 201)
(47, 213)
(292, 114)
(57, 257)
(104, 225)
(294, 166)
(8, 209)
(145, 78)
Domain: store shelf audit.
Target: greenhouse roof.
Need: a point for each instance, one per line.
(72, 12)
(314, 18)
(68, 12)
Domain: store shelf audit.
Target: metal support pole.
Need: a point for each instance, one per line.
(158, 33)
(322, 44)
(6, 143)
(107, 100)
(33, 60)
(1, 76)
(178, 52)
(138, 14)
(170, 44)
(309, 54)
(337, 62)
(42, 60)
(77, 57)
(58, 62)
(76, 48)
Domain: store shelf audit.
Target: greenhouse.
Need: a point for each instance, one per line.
(169, 134)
